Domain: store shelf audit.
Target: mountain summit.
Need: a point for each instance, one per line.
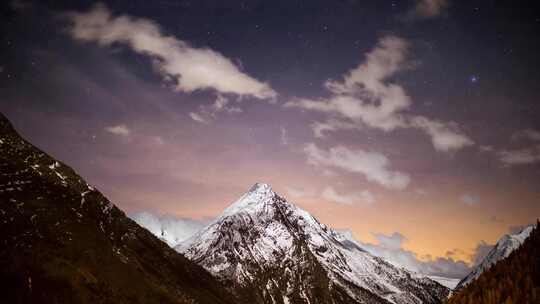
(258, 194)
(267, 250)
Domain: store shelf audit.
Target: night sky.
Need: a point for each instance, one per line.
(415, 124)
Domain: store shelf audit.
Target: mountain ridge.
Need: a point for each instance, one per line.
(268, 249)
(62, 241)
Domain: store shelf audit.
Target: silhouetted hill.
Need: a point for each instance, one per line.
(62, 241)
(515, 279)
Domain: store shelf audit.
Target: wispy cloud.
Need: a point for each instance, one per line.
(120, 130)
(480, 252)
(207, 113)
(444, 136)
(421, 192)
(298, 192)
(523, 156)
(429, 8)
(321, 128)
(364, 197)
(469, 199)
(284, 137)
(373, 166)
(527, 134)
(173, 230)
(364, 96)
(190, 68)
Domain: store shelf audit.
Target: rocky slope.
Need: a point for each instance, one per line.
(62, 241)
(267, 250)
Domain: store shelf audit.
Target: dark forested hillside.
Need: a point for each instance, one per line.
(62, 241)
(514, 280)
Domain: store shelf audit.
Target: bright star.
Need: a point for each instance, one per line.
(474, 78)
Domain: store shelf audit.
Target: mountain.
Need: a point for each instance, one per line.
(62, 241)
(514, 279)
(267, 250)
(504, 247)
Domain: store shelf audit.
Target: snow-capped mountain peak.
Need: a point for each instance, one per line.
(271, 251)
(258, 194)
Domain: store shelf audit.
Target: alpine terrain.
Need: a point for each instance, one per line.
(514, 279)
(504, 247)
(267, 250)
(62, 241)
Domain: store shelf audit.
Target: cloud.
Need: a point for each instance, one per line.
(172, 230)
(365, 97)
(176, 60)
(206, 114)
(393, 241)
(469, 199)
(298, 192)
(495, 219)
(321, 128)
(523, 156)
(528, 134)
(197, 117)
(390, 248)
(284, 137)
(518, 156)
(421, 192)
(429, 8)
(480, 252)
(362, 95)
(363, 197)
(373, 166)
(444, 136)
(120, 130)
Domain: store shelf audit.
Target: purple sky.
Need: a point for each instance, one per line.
(419, 118)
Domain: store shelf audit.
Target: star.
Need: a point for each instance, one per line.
(474, 79)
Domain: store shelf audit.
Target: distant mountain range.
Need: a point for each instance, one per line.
(267, 250)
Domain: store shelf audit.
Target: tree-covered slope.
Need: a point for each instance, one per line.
(62, 241)
(514, 280)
